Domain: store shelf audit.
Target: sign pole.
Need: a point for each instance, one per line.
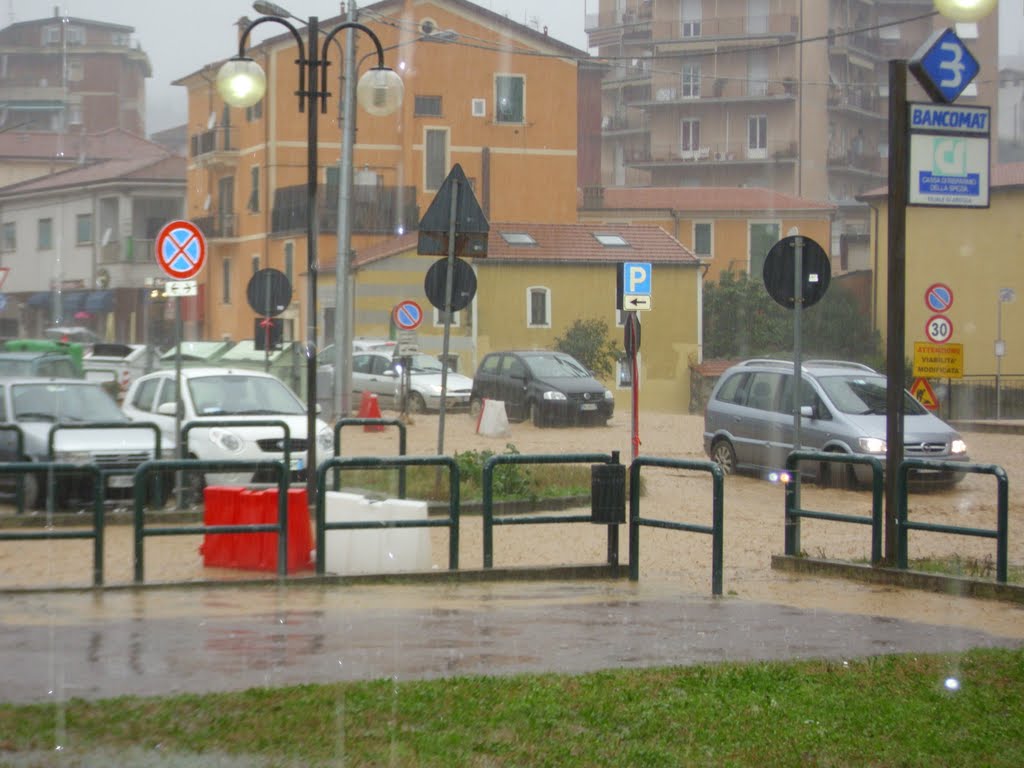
(179, 402)
(798, 305)
(448, 281)
(897, 272)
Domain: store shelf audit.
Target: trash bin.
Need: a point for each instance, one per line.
(608, 493)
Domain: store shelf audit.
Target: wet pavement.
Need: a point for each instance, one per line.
(98, 644)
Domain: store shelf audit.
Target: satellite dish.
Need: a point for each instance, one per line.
(211, 121)
(106, 237)
(206, 203)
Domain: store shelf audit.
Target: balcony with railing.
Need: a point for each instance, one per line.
(220, 225)
(720, 90)
(626, 123)
(214, 147)
(375, 210)
(733, 152)
(130, 250)
(860, 100)
(866, 162)
(855, 42)
(639, 22)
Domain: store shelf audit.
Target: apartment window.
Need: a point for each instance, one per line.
(75, 36)
(9, 236)
(702, 238)
(225, 295)
(289, 261)
(889, 28)
(76, 70)
(439, 315)
(763, 235)
(255, 112)
(435, 158)
(691, 81)
(254, 193)
(74, 114)
(757, 74)
(538, 307)
(691, 17)
(427, 106)
(509, 92)
(83, 228)
(757, 137)
(689, 137)
(44, 240)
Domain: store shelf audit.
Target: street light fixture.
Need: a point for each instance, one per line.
(241, 82)
(965, 10)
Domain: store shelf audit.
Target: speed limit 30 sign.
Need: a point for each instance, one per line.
(938, 329)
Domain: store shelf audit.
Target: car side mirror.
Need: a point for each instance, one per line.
(167, 409)
(808, 412)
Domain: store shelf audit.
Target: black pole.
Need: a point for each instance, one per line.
(309, 100)
(899, 161)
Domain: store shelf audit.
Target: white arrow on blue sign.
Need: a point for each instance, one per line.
(944, 66)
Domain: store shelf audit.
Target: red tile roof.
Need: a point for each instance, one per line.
(163, 167)
(70, 148)
(558, 243)
(720, 199)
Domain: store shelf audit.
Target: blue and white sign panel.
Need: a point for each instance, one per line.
(944, 66)
(949, 156)
(636, 286)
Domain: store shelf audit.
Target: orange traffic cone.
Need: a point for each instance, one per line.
(369, 408)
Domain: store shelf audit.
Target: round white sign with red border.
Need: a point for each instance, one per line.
(938, 329)
(180, 250)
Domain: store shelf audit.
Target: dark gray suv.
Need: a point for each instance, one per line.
(748, 421)
(547, 387)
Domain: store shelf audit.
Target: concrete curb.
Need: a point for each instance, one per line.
(958, 586)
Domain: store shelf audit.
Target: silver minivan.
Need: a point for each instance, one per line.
(748, 421)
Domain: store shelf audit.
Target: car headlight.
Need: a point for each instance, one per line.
(608, 395)
(552, 394)
(958, 446)
(435, 390)
(871, 444)
(73, 457)
(325, 440)
(226, 440)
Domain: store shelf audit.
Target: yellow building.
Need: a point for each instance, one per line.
(535, 282)
(481, 90)
(728, 228)
(975, 253)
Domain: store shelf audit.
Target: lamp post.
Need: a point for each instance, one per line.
(241, 82)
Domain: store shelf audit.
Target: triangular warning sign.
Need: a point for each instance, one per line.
(924, 393)
(471, 225)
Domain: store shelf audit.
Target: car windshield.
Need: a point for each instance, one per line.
(555, 366)
(10, 367)
(58, 402)
(420, 363)
(234, 394)
(861, 395)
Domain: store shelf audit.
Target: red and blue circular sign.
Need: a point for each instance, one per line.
(180, 250)
(408, 315)
(938, 297)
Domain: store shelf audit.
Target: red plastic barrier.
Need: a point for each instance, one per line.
(226, 505)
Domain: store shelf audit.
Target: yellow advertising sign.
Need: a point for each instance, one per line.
(938, 361)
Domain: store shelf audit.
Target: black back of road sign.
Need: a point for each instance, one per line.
(463, 284)
(780, 270)
(471, 225)
(269, 292)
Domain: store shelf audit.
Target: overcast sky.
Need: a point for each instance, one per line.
(181, 36)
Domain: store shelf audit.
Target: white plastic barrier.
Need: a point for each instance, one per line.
(493, 421)
(383, 550)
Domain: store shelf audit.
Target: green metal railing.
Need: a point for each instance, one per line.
(794, 513)
(371, 462)
(1000, 534)
(95, 533)
(368, 422)
(717, 514)
(164, 466)
(490, 520)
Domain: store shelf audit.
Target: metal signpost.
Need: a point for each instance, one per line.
(634, 284)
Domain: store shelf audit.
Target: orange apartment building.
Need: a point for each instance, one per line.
(483, 91)
(789, 95)
(68, 74)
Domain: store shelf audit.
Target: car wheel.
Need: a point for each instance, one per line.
(475, 406)
(193, 483)
(724, 455)
(31, 488)
(536, 414)
(414, 403)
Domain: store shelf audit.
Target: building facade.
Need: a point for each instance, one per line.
(508, 118)
(66, 74)
(781, 94)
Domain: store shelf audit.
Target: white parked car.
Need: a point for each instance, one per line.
(37, 405)
(378, 372)
(214, 395)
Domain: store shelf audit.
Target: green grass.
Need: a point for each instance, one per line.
(970, 567)
(881, 711)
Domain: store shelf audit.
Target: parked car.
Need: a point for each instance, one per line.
(748, 421)
(547, 387)
(214, 395)
(37, 406)
(380, 373)
(38, 364)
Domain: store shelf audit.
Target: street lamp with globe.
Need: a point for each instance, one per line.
(965, 10)
(241, 82)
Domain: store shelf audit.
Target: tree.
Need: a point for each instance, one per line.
(588, 342)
